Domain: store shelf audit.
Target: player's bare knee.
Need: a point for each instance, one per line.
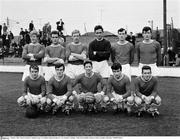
(71, 98)
(138, 100)
(20, 100)
(48, 101)
(130, 100)
(106, 99)
(158, 100)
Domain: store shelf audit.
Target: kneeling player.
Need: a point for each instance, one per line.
(146, 94)
(89, 98)
(60, 91)
(34, 90)
(120, 96)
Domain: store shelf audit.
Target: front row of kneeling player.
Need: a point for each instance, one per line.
(116, 95)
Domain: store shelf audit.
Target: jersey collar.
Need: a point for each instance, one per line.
(90, 75)
(57, 79)
(145, 80)
(122, 76)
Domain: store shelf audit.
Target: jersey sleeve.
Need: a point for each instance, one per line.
(50, 86)
(158, 51)
(109, 87)
(77, 80)
(69, 87)
(131, 54)
(43, 87)
(128, 86)
(138, 52)
(63, 53)
(25, 52)
(113, 53)
(47, 51)
(155, 85)
(90, 51)
(25, 86)
(67, 51)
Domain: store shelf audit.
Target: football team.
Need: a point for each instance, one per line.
(94, 78)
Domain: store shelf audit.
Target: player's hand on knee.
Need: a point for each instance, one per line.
(147, 100)
(106, 99)
(119, 98)
(71, 98)
(113, 100)
(21, 101)
(98, 97)
(55, 100)
(89, 97)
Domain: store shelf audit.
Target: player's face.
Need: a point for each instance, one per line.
(55, 39)
(88, 68)
(34, 73)
(117, 73)
(59, 71)
(34, 38)
(122, 35)
(76, 37)
(99, 34)
(146, 74)
(147, 35)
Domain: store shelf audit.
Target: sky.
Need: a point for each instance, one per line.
(83, 15)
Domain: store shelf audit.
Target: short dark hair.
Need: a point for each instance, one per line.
(146, 68)
(146, 28)
(75, 32)
(121, 30)
(87, 62)
(116, 66)
(55, 32)
(60, 65)
(35, 67)
(97, 27)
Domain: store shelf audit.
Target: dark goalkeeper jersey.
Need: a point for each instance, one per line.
(102, 49)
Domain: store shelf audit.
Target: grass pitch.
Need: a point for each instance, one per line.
(13, 122)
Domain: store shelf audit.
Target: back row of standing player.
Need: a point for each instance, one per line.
(100, 51)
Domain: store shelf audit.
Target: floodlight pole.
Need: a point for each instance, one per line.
(165, 27)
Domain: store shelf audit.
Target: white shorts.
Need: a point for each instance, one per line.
(49, 72)
(57, 97)
(126, 69)
(32, 96)
(26, 71)
(74, 70)
(102, 68)
(154, 69)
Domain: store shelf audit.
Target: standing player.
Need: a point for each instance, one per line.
(33, 53)
(123, 52)
(54, 54)
(75, 55)
(99, 53)
(60, 90)
(149, 51)
(146, 94)
(121, 93)
(34, 89)
(89, 81)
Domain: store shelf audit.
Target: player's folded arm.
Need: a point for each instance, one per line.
(25, 53)
(40, 54)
